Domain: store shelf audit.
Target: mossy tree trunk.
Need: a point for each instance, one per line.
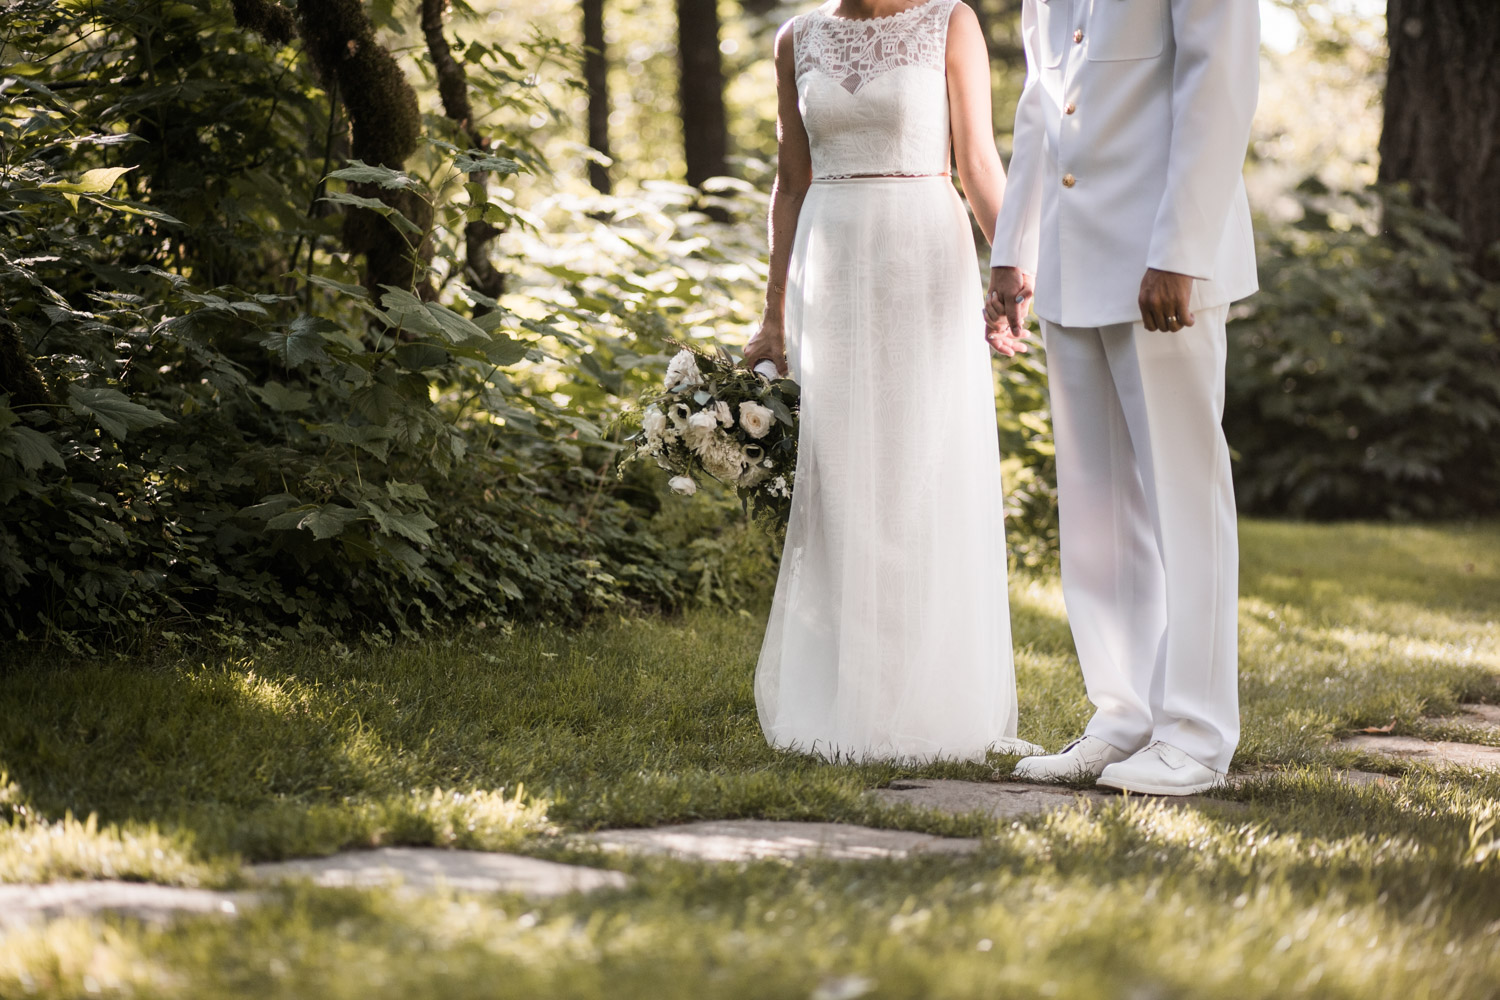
(1442, 113)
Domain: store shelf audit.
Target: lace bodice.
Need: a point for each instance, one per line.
(874, 93)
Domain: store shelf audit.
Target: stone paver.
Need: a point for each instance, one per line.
(1362, 778)
(1011, 799)
(1483, 716)
(20, 904)
(1427, 751)
(1351, 777)
(429, 867)
(753, 839)
(1000, 799)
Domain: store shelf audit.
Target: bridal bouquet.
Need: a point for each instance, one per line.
(716, 419)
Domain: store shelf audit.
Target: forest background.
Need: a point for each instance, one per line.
(318, 320)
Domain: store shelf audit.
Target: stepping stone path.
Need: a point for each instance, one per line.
(1442, 752)
(22, 904)
(416, 868)
(413, 869)
(754, 839)
(1013, 799)
(1427, 751)
(1483, 716)
(1000, 799)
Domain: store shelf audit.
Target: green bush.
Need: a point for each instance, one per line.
(214, 422)
(1028, 462)
(197, 434)
(1364, 381)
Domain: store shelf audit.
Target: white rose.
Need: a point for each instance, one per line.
(683, 485)
(701, 428)
(653, 422)
(756, 419)
(682, 371)
(724, 413)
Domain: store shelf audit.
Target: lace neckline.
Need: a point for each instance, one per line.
(828, 8)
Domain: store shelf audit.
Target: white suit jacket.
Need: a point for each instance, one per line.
(1129, 153)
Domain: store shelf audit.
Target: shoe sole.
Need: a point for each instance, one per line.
(1172, 790)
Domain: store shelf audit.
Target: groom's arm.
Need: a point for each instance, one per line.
(1018, 226)
(1216, 81)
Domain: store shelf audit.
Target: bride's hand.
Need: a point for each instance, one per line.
(1005, 310)
(768, 344)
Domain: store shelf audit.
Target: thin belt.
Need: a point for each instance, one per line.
(879, 177)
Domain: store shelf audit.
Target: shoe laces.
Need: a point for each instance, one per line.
(1167, 753)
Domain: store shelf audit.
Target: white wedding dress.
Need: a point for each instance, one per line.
(889, 637)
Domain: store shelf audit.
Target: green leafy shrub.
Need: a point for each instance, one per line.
(1364, 380)
(205, 422)
(210, 425)
(1028, 462)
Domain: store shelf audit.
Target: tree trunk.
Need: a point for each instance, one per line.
(596, 81)
(705, 132)
(1442, 113)
(453, 89)
(384, 127)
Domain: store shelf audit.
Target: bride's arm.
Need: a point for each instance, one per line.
(979, 165)
(793, 176)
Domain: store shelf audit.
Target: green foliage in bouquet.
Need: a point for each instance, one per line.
(1365, 379)
(714, 418)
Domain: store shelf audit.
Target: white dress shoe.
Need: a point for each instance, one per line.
(1085, 757)
(1161, 769)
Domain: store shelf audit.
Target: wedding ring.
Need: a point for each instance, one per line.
(1171, 319)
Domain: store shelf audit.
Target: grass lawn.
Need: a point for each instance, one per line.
(1293, 884)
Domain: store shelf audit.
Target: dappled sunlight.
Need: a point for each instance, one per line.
(1039, 596)
(1263, 625)
(1368, 572)
(1039, 621)
(498, 740)
(35, 849)
(77, 956)
(1405, 648)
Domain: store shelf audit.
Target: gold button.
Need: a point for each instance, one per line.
(1078, 36)
(1070, 108)
(1069, 180)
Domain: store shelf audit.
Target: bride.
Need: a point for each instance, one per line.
(889, 636)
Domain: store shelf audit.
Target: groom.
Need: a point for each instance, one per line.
(1127, 209)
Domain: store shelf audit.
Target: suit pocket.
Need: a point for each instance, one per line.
(1121, 30)
(1052, 18)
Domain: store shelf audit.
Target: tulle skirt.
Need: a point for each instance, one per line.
(889, 636)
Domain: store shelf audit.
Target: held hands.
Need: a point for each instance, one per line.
(768, 344)
(1005, 307)
(1164, 300)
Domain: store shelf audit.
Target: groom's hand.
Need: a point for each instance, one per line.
(1164, 300)
(1005, 308)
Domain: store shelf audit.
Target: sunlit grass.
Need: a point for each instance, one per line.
(1293, 884)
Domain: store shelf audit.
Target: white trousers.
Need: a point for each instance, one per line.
(1150, 557)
